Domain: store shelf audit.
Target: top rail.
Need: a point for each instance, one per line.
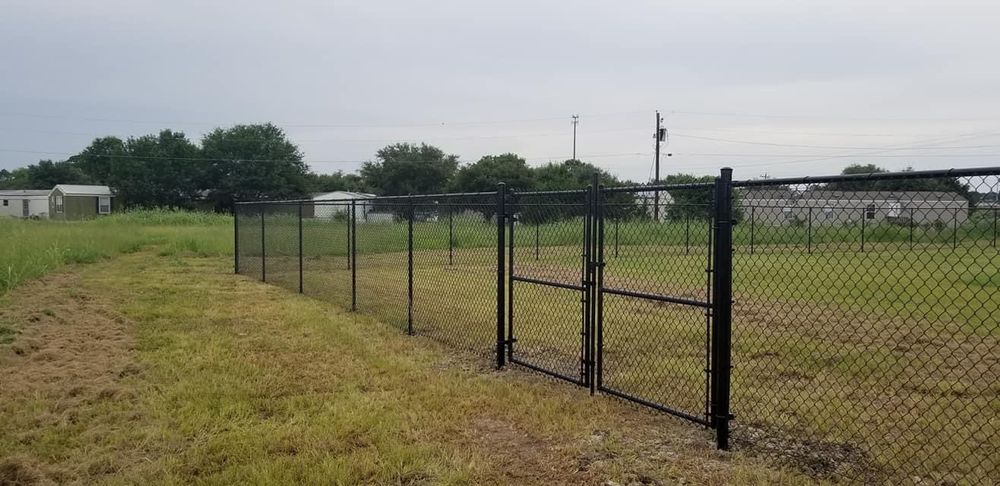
(872, 176)
(362, 199)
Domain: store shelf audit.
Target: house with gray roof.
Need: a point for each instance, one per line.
(24, 203)
(830, 207)
(73, 201)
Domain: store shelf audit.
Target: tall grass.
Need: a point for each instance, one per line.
(29, 249)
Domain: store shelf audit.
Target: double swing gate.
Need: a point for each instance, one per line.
(581, 309)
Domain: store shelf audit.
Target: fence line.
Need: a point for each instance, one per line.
(848, 321)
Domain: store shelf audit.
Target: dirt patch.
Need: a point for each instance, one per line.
(69, 353)
(819, 459)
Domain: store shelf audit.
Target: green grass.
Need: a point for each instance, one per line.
(29, 249)
(167, 370)
(885, 351)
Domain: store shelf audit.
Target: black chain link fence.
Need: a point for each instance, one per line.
(865, 309)
(866, 326)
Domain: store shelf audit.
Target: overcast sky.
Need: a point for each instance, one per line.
(782, 88)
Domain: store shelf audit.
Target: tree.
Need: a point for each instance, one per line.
(488, 171)
(43, 175)
(574, 175)
(694, 203)
(405, 168)
(159, 170)
(151, 170)
(338, 181)
(100, 157)
(251, 162)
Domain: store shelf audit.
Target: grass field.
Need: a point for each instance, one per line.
(29, 249)
(155, 368)
(873, 365)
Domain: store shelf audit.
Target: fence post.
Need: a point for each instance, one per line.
(301, 286)
(864, 217)
(911, 228)
(451, 235)
(954, 231)
(501, 214)
(263, 253)
(753, 214)
(722, 299)
(349, 210)
(510, 208)
(809, 231)
(353, 256)
(538, 225)
(994, 227)
(616, 236)
(593, 263)
(409, 267)
(236, 239)
(687, 233)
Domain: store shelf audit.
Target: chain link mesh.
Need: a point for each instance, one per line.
(866, 328)
(865, 312)
(547, 272)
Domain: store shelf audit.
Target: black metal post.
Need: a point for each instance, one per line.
(994, 227)
(864, 217)
(585, 302)
(809, 231)
(537, 230)
(722, 300)
(687, 233)
(409, 268)
(753, 218)
(236, 239)
(451, 236)
(263, 253)
(911, 228)
(301, 283)
(616, 239)
(353, 257)
(349, 211)
(954, 231)
(510, 209)
(596, 241)
(501, 214)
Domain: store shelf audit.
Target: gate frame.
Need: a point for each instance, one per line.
(585, 287)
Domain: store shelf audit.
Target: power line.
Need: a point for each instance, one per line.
(825, 117)
(774, 144)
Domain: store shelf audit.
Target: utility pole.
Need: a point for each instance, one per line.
(576, 120)
(659, 135)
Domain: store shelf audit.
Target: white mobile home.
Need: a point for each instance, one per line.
(330, 204)
(20, 203)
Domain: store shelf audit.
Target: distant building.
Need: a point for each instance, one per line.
(71, 201)
(24, 203)
(648, 201)
(821, 207)
(328, 205)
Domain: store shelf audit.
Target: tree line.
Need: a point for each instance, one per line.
(253, 162)
(258, 161)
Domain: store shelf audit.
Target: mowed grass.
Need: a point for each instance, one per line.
(868, 365)
(168, 370)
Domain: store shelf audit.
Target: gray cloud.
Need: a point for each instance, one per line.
(505, 76)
